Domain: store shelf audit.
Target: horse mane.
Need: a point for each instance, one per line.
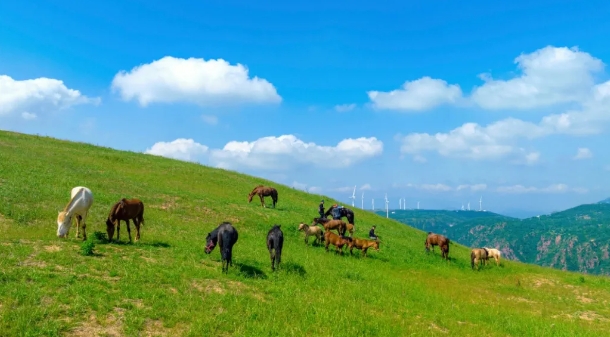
(71, 202)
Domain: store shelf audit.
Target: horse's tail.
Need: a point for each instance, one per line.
(472, 259)
(141, 215)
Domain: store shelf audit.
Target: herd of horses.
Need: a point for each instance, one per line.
(225, 235)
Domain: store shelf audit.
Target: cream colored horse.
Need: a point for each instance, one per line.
(495, 253)
(81, 200)
(311, 230)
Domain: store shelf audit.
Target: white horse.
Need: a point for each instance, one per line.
(81, 200)
(495, 253)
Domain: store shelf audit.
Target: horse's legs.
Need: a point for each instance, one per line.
(364, 251)
(262, 200)
(83, 221)
(118, 230)
(77, 220)
(137, 221)
(128, 229)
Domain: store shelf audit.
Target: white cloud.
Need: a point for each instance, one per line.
(182, 149)
(583, 153)
(554, 188)
(287, 151)
(345, 107)
(365, 187)
(209, 119)
(549, 76)
(193, 80)
(419, 159)
(435, 187)
(273, 153)
(35, 96)
(418, 95)
(344, 189)
(28, 116)
(474, 188)
(305, 187)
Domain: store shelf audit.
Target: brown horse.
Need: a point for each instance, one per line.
(125, 209)
(338, 241)
(363, 245)
(478, 256)
(328, 224)
(312, 230)
(438, 240)
(263, 191)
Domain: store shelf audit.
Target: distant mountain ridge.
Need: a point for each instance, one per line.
(576, 239)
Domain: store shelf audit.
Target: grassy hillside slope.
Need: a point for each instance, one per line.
(167, 285)
(577, 239)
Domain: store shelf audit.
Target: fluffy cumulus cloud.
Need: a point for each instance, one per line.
(273, 153)
(422, 94)
(35, 96)
(193, 80)
(182, 149)
(583, 153)
(550, 76)
(474, 188)
(554, 188)
(306, 187)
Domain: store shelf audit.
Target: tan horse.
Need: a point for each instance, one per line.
(263, 191)
(339, 225)
(338, 241)
(312, 231)
(438, 240)
(478, 256)
(363, 245)
(495, 253)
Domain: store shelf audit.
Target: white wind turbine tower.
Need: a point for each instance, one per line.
(353, 197)
(469, 205)
(387, 214)
(404, 203)
(400, 203)
(362, 200)
(481, 204)
(418, 205)
(462, 206)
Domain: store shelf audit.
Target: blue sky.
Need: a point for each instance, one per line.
(387, 96)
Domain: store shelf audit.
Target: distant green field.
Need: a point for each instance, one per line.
(166, 285)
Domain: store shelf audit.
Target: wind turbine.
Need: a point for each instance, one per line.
(418, 205)
(387, 214)
(353, 197)
(469, 205)
(373, 203)
(404, 203)
(400, 203)
(481, 204)
(462, 206)
(362, 200)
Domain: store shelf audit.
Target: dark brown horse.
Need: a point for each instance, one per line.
(339, 225)
(343, 212)
(438, 240)
(125, 209)
(339, 242)
(263, 191)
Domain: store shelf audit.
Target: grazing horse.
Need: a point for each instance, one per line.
(328, 224)
(312, 230)
(363, 245)
(81, 200)
(495, 253)
(225, 235)
(344, 212)
(275, 242)
(478, 256)
(438, 240)
(335, 240)
(263, 191)
(125, 209)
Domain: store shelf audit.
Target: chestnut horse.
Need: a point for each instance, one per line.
(363, 245)
(263, 191)
(328, 224)
(478, 256)
(438, 240)
(125, 209)
(312, 230)
(338, 241)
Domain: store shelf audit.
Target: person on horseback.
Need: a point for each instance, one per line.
(336, 212)
(372, 234)
(321, 209)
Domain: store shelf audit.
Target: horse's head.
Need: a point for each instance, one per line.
(302, 226)
(376, 244)
(63, 224)
(210, 243)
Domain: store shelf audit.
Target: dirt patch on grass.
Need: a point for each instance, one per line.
(233, 287)
(111, 325)
(521, 299)
(592, 316)
(148, 259)
(438, 328)
(52, 248)
(169, 203)
(583, 299)
(539, 282)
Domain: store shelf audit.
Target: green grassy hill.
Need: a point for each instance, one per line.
(166, 284)
(577, 239)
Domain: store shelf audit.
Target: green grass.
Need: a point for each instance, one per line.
(167, 285)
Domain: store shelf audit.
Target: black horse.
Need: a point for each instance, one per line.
(344, 212)
(225, 235)
(275, 242)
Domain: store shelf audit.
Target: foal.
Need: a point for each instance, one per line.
(125, 209)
